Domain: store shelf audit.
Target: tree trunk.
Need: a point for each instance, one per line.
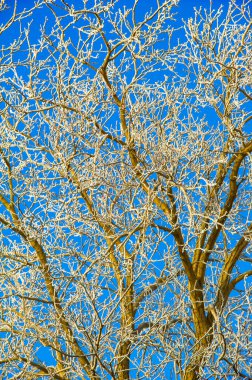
(123, 361)
(203, 333)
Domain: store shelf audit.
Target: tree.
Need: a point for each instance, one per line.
(125, 190)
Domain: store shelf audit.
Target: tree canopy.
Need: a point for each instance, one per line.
(125, 192)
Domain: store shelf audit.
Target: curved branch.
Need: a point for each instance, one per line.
(146, 325)
(225, 286)
(151, 288)
(233, 189)
(236, 280)
(236, 370)
(245, 93)
(43, 369)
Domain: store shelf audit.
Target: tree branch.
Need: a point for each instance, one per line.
(225, 287)
(151, 288)
(233, 188)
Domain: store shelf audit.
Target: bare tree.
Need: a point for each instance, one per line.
(125, 190)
